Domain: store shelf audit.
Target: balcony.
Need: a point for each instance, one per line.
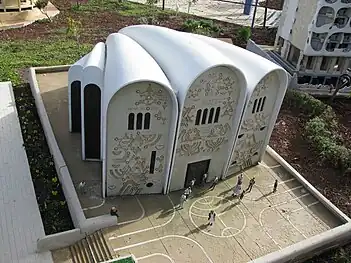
(317, 41)
(330, 1)
(325, 16)
(346, 1)
(342, 17)
(333, 42)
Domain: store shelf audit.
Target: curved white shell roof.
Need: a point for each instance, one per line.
(252, 65)
(182, 58)
(127, 62)
(93, 70)
(75, 71)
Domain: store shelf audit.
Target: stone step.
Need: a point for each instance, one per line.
(80, 252)
(98, 247)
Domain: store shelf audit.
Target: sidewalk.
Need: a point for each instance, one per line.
(20, 221)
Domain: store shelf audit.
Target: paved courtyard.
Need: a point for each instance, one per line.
(155, 230)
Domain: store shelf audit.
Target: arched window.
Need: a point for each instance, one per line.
(218, 111)
(204, 116)
(147, 118)
(198, 116)
(263, 101)
(131, 121)
(210, 117)
(259, 105)
(139, 122)
(254, 106)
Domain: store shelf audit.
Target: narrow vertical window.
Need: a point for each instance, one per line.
(210, 117)
(204, 116)
(254, 106)
(147, 118)
(152, 162)
(218, 110)
(139, 122)
(198, 116)
(263, 101)
(259, 105)
(131, 121)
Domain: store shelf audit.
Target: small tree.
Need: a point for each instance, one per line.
(244, 34)
(41, 4)
(343, 82)
(190, 3)
(74, 29)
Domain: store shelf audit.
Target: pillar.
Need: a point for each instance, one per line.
(247, 7)
(298, 65)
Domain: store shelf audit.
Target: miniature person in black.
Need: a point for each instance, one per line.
(251, 184)
(275, 186)
(192, 183)
(113, 211)
(214, 183)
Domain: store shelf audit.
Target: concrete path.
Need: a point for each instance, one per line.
(224, 11)
(20, 221)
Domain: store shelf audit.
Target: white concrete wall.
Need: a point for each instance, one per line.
(287, 18)
(217, 87)
(255, 126)
(129, 151)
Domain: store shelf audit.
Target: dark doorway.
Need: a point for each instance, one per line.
(92, 111)
(196, 170)
(76, 117)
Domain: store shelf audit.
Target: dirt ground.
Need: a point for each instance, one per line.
(154, 228)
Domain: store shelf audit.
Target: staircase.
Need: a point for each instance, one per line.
(92, 249)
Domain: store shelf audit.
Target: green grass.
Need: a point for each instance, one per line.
(124, 8)
(17, 55)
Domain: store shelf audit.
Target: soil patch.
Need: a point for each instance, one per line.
(51, 200)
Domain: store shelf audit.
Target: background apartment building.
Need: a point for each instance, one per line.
(314, 39)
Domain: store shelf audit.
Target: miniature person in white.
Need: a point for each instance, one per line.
(236, 190)
(182, 200)
(240, 179)
(187, 192)
(211, 217)
(204, 179)
(192, 183)
(214, 183)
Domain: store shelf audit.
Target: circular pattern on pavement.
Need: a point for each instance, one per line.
(199, 209)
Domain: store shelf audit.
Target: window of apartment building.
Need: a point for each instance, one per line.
(309, 64)
(304, 80)
(324, 64)
(293, 55)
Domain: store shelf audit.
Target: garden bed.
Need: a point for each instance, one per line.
(272, 4)
(51, 200)
(289, 140)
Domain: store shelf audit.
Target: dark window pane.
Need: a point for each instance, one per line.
(259, 105)
(147, 121)
(210, 118)
(139, 122)
(131, 121)
(198, 116)
(204, 116)
(263, 101)
(152, 162)
(218, 110)
(254, 106)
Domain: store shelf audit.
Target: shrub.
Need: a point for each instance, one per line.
(201, 27)
(320, 128)
(244, 34)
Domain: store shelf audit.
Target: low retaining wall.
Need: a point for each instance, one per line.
(307, 248)
(332, 208)
(59, 240)
(82, 225)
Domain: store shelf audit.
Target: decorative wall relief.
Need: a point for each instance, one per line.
(245, 149)
(160, 117)
(152, 96)
(129, 166)
(255, 123)
(187, 115)
(228, 109)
